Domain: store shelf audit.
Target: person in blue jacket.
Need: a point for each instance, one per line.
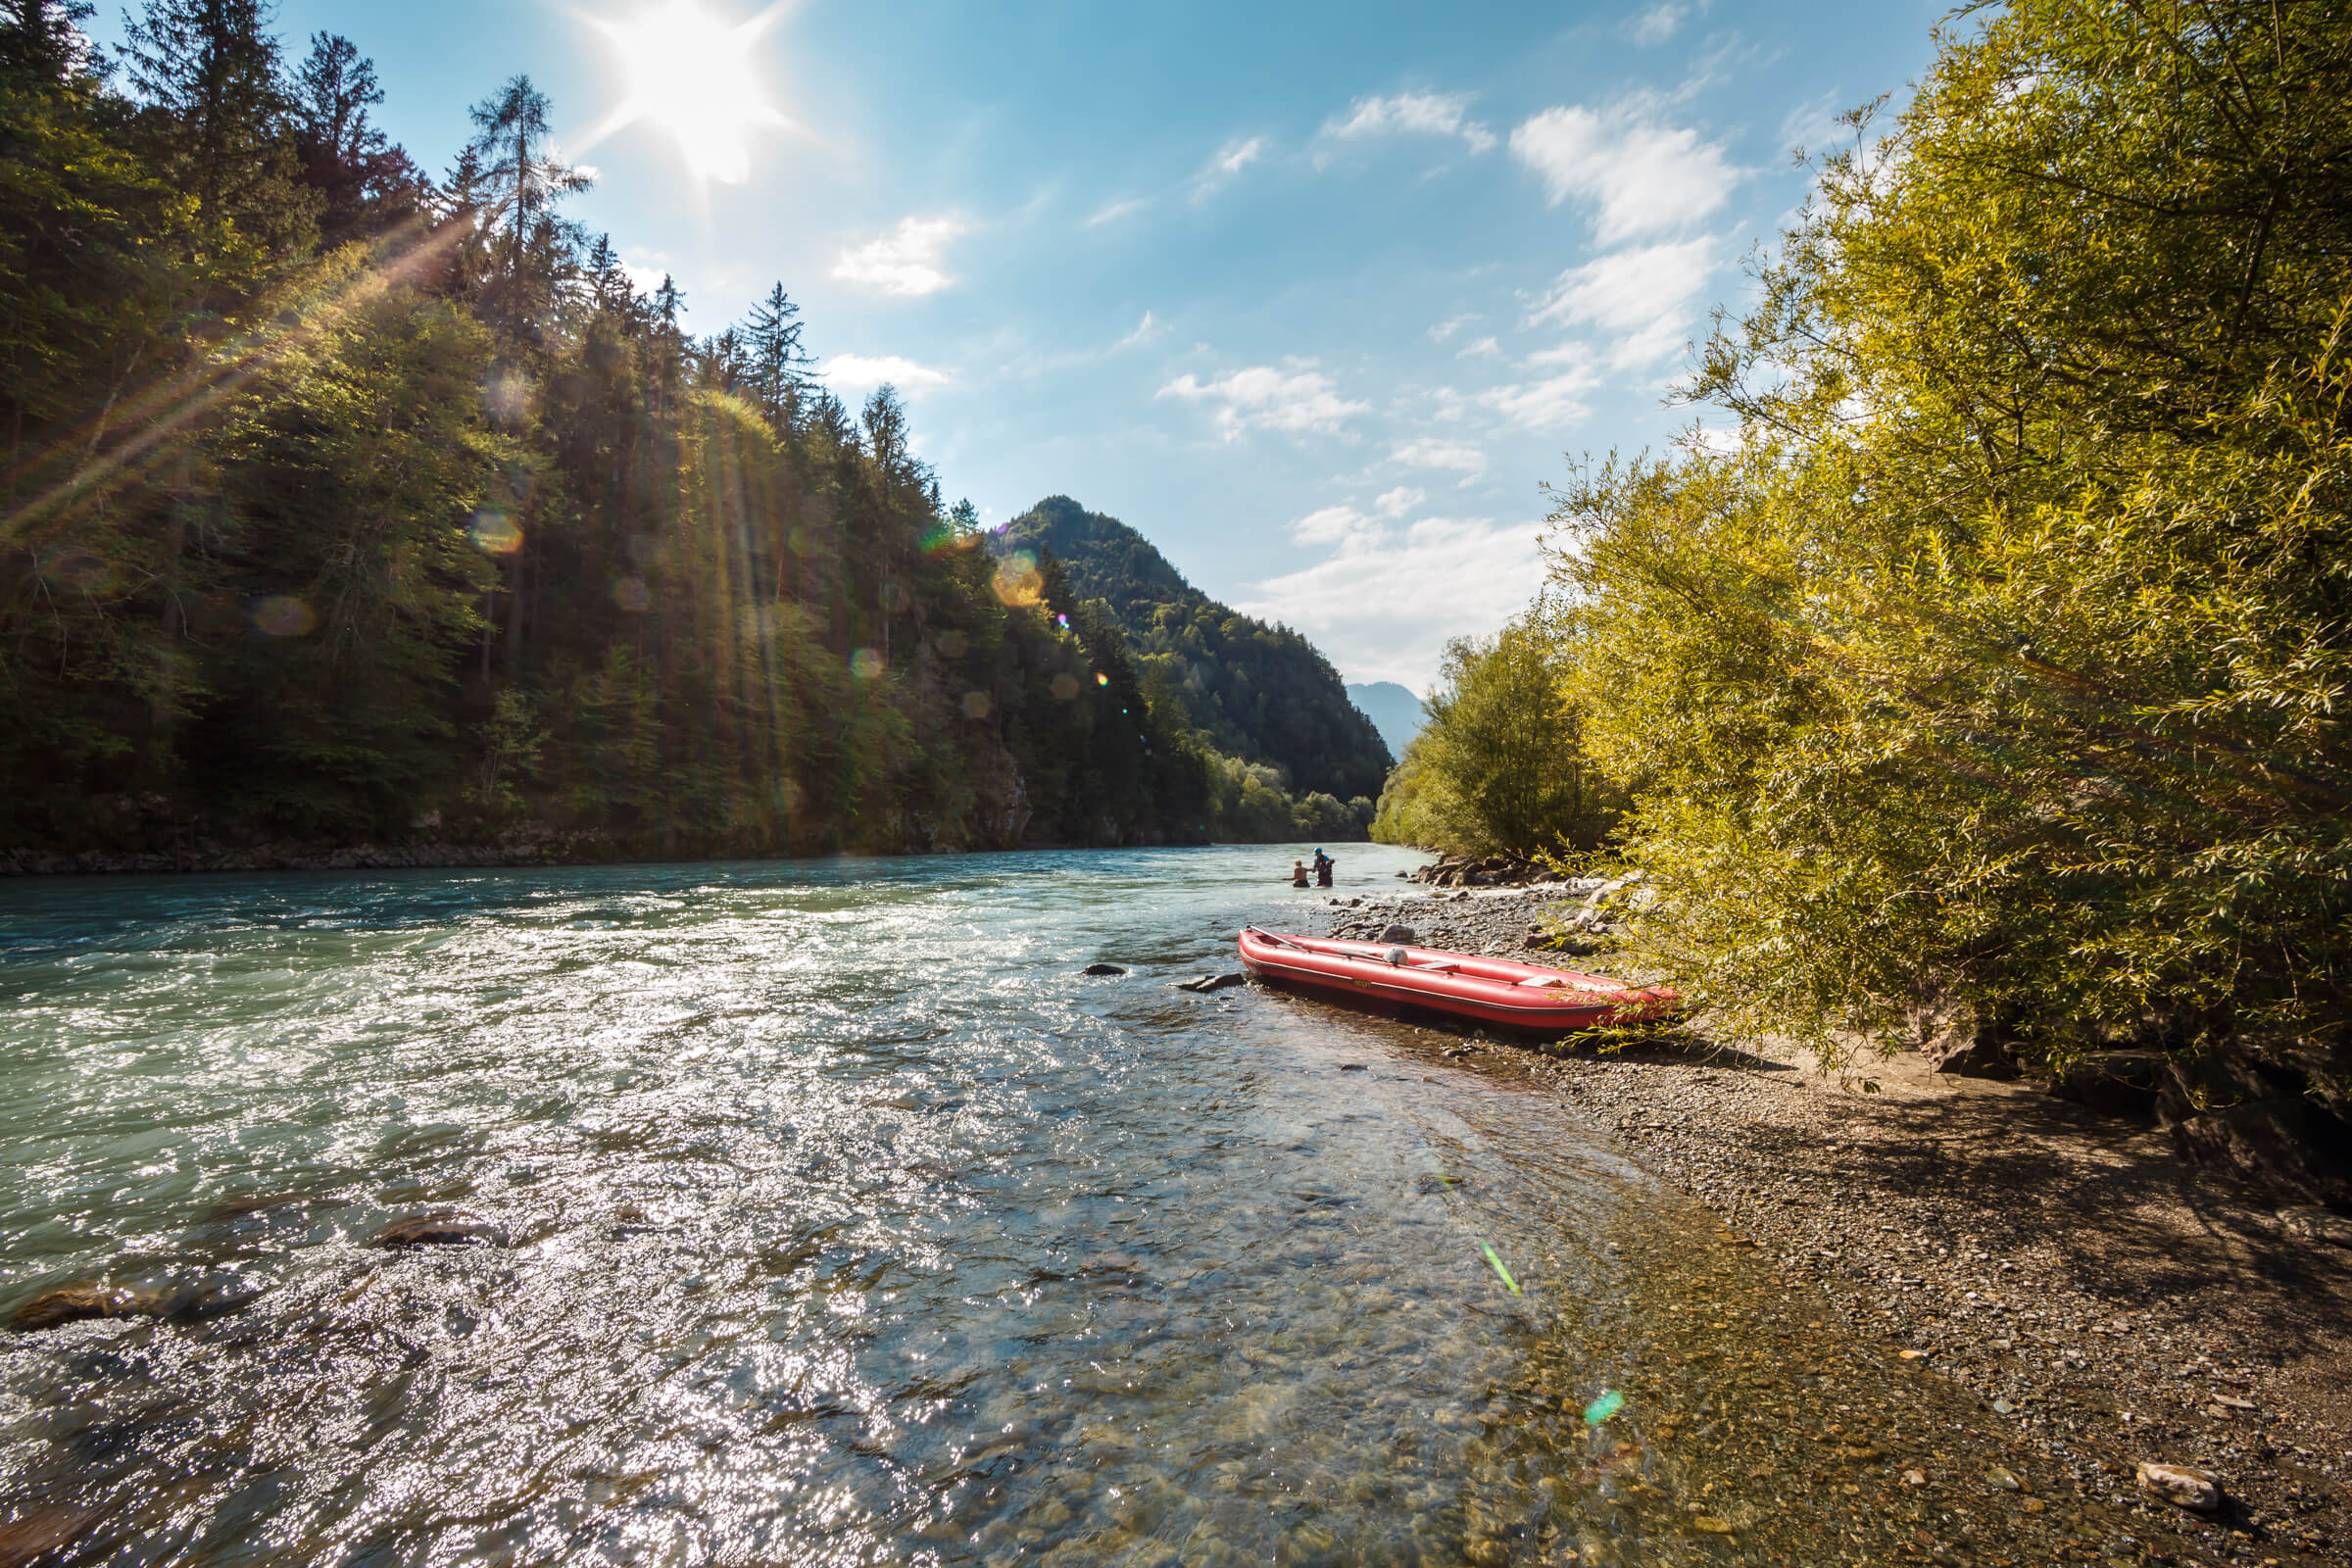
(1324, 866)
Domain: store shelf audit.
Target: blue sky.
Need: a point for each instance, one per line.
(1314, 295)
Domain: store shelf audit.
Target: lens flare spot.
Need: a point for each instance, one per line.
(507, 397)
(495, 533)
(953, 645)
(76, 571)
(1064, 621)
(865, 663)
(1102, 679)
(632, 595)
(1601, 1409)
(282, 616)
(1066, 685)
(977, 705)
(1018, 582)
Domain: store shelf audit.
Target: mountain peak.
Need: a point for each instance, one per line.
(1262, 693)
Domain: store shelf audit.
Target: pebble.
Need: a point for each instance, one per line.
(1972, 1282)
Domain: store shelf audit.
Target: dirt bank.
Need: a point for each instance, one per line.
(2117, 1302)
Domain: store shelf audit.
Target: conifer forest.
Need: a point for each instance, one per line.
(348, 502)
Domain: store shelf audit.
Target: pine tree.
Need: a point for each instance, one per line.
(519, 182)
(41, 40)
(777, 358)
(366, 183)
(211, 68)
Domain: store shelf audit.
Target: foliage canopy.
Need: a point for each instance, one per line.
(2004, 656)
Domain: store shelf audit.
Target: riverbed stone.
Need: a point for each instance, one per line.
(1212, 982)
(2198, 1491)
(82, 1301)
(445, 1229)
(1103, 968)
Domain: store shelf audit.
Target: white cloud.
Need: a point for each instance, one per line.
(1644, 299)
(1485, 348)
(1297, 399)
(1429, 454)
(1230, 160)
(1238, 156)
(1413, 113)
(1329, 527)
(858, 372)
(1143, 329)
(1400, 501)
(1549, 404)
(908, 261)
(1815, 127)
(1642, 174)
(1116, 211)
(1385, 602)
(1656, 24)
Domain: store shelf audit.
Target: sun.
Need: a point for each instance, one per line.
(690, 76)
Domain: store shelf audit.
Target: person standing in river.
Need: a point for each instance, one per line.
(1323, 867)
(1297, 873)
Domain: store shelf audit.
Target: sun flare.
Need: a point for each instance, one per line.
(691, 77)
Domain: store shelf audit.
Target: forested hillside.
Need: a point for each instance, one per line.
(1259, 692)
(345, 503)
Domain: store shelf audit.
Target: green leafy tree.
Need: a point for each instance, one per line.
(1999, 666)
(1500, 765)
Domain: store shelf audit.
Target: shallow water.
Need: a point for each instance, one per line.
(839, 1219)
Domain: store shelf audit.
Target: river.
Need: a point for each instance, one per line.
(835, 1217)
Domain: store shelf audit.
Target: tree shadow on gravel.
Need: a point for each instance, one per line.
(2138, 1224)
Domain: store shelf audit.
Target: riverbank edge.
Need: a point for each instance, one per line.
(2120, 1302)
(559, 850)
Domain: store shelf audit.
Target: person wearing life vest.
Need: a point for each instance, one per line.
(1324, 866)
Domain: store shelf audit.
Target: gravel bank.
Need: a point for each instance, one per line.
(2116, 1303)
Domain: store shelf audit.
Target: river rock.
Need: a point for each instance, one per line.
(35, 1536)
(1401, 935)
(2198, 1491)
(449, 1229)
(1103, 968)
(1212, 982)
(77, 1302)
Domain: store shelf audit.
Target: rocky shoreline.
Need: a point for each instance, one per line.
(2120, 1305)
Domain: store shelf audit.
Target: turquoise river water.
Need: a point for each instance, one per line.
(834, 1217)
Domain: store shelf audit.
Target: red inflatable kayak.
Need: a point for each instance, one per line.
(1494, 991)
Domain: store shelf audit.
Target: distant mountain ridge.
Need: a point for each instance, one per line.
(1262, 693)
(1393, 710)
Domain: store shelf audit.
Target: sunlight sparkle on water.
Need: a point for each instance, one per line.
(690, 76)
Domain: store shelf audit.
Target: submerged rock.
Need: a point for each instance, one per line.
(1212, 982)
(1102, 968)
(449, 1229)
(80, 1302)
(42, 1532)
